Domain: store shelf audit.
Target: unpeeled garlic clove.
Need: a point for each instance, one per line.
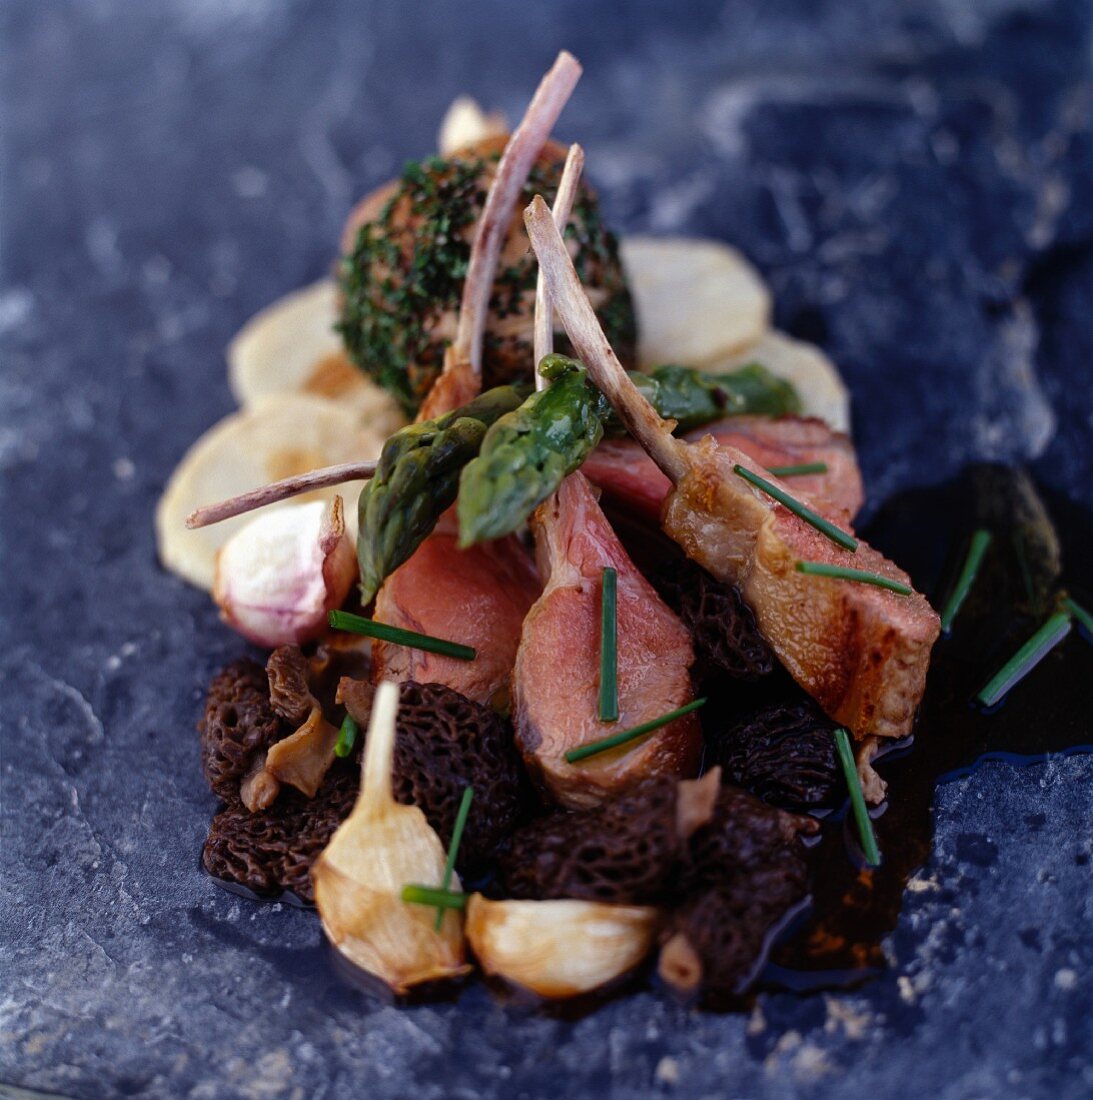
(380, 848)
(559, 948)
(278, 576)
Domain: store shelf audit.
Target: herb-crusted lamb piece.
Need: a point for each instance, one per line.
(406, 257)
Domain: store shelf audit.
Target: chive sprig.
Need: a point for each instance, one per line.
(798, 470)
(844, 573)
(1079, 613)
(453, 848)
(857, 799)
(836, 534)
(981, 541)
(433, 896)
(609, 647)
(1057, 627)
(358, 624)
(594, 748)
(347, 736)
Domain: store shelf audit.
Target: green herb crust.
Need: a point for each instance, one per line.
(401, 283)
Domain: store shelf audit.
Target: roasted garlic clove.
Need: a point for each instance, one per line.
(380, 848)
(559, 948)
(278, 576)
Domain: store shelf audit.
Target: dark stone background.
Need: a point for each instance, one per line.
(914, 179)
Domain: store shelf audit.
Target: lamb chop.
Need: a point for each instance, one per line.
(629, 477)
(860, 650)
(556, 679)
(480, 595)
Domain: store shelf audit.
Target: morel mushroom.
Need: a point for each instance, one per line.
(627, 850)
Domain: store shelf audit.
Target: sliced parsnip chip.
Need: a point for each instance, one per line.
(696, 299)
(466, 123)
(284, 435)
(815, 378)
(291, 347)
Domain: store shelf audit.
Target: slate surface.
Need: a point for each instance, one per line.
(914, 181)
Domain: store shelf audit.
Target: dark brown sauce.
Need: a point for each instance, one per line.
(1040, 541)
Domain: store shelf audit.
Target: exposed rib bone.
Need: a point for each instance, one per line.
(280, 490)
(592, 347)
(461, 378)
(563, 207)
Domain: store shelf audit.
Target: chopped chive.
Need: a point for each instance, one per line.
(857, 799)
(609, 647)
(347, 736)
(593, 748)
(978, 547)
(800, 468)
(434, 897)
(1026, 658)
(358, 624)
(453, 848)
(825, 527)
(1079, 613)
(843, 573)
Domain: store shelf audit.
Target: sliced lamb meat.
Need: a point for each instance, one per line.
(556, 680)
(861, 651)
(626, 474)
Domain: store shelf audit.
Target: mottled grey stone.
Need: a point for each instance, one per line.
(912, 178)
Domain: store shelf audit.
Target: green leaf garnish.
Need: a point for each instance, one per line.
(347, 736)
(843, 573)
(800, 468)
(825, 527)
(857, 799)
(1026, 658)
(594, 748)
(358, 624)
(978, 547)
(609, 647)
(453, 848)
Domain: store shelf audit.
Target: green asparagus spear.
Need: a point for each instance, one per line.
(694, 398)
(416, 480)
(527, 452)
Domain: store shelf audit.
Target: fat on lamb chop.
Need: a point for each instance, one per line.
(629, 477)
(861, 651)
(557, 673)
(478, 596)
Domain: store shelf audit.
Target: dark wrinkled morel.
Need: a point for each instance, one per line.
(289, 692)
(445, 742)
(272, 850)
(718, 939)
(745, 873)
(238, 725)
(784, 753)
(726, 639)
(628, 850)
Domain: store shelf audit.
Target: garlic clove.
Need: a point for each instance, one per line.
(559, 948)
(277, 578)
(380, 848)
(465, 124)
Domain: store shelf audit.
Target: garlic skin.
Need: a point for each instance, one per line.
(560, 948)
(278, 576)
(380, 848)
